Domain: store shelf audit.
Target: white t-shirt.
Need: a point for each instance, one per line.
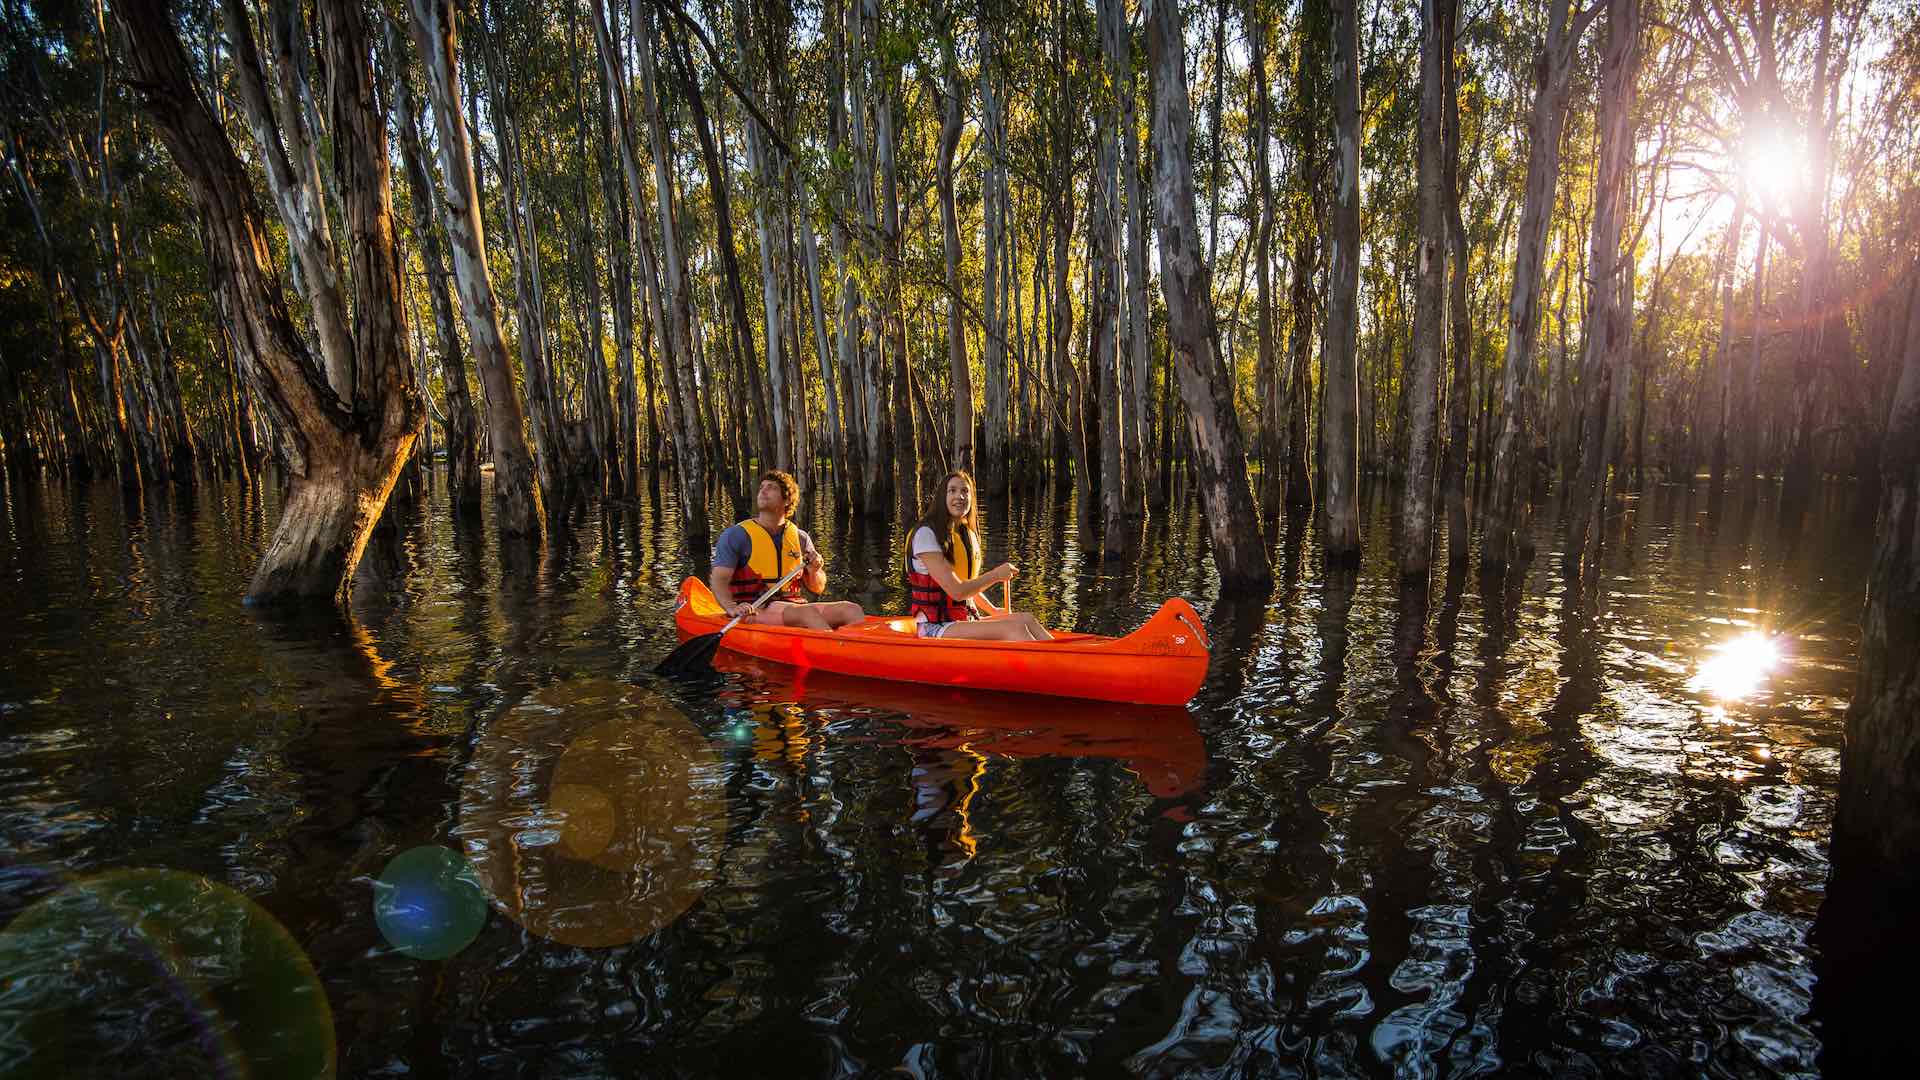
(923, 541)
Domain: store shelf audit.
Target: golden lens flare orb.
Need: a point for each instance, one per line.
(593, 813)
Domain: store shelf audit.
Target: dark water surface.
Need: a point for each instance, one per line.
(1560, 842)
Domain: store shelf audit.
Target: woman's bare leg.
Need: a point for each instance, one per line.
(1019, 626)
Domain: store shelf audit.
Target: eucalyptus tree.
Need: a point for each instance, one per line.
(1430, 300)
(1503, 510)
(516, 489)
(1220, 461)
(353, 419)
(1340, 377)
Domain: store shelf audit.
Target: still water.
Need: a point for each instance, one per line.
(1412, 834)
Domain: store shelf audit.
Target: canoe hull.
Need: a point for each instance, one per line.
(1162, 663)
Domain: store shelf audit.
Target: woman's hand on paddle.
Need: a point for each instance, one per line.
(743, 612)
(1003, 572)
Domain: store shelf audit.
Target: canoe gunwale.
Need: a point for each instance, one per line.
(876, 630)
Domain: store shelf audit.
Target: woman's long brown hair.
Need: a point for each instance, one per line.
(941, 521)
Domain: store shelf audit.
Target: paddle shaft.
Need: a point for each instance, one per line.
(765, 596)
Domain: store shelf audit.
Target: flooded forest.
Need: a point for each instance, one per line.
(1525, 395)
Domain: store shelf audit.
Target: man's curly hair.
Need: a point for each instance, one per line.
(788, 485)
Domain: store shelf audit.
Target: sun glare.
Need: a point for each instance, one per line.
(1736, 668)
(1773, 166)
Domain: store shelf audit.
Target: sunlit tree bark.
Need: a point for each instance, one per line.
(349, 447)
(516, 490)
(1220, 461)
(1340, 385)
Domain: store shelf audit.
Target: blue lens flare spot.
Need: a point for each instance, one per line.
(429, 903)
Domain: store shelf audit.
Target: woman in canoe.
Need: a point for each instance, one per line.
(945, 588)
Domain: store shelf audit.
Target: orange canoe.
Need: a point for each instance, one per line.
(1162, 663)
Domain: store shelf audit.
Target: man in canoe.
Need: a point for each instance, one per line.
(945, 588)
(755, 553)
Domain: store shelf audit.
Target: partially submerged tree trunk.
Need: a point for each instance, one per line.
(1429, 296)
(1266, 381)
(906, 451)
(1143, 468)
(1609, 306)
(1340, 390)
(1104, 228)
(621, 211)
(462, 428)
(1453, 466)
(1513, 450)
(1720, 413)
(674, 304)
(739, 323)
(1867, 930)
(517, 494)
(349, 448)
(947, 101)
(1220, 461)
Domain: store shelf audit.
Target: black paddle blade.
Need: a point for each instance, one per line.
(693, 657)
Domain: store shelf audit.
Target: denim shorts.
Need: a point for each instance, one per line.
(931, 629)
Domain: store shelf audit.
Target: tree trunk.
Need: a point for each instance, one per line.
(1106, 226)
(952, 111)
(1265, 380)
(674, 314)
(1144, 469)
(463, 443)
(770, 226)
(1069, 447)
(1221, 465)
(1429, 295)
(993, 297)
(836, 433)
(1513, 451)
(621, 210)
(867, 325)
(1453, 469)
(349, 450)
(1876, 828)
(1340, 382)
(516, 492)
(1748, 465)
(906, 456)
(719, 191)
(1720, 411)
(849, 437)
(1608, 320)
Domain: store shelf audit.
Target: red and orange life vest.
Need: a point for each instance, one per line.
(926, 596)
(769, 562)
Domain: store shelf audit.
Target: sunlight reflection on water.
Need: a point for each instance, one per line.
(1737, 668)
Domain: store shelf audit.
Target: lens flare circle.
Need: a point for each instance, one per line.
(152, 972)
(594, 813)
(429, 903)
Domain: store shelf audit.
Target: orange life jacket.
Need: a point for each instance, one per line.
(768, 563)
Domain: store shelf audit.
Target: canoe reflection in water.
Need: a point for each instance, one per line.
(954, 735)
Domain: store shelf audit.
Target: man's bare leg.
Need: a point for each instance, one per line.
(824, 616)
(841, 613)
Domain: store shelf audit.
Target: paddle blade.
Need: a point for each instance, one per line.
(693, 657)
